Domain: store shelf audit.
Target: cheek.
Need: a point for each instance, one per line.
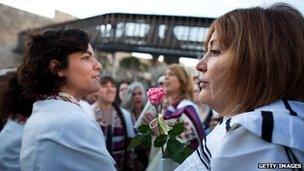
(114, 93)
(216, 74)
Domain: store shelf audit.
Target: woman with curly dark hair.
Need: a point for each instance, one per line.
(14, 110)
(59, 68)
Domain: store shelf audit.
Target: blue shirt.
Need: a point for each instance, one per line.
(10, 144)
(60, 136)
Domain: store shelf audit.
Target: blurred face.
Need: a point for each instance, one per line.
(138, 98)
(171, 83)
(107, 92)
(92, 98)
(123, 90)
(212, 67)
(196, 93)
(82, 74)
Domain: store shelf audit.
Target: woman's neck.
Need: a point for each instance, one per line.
(65, 90)
(173, 98)
(137, 111)
(205, 108)
(105, 106)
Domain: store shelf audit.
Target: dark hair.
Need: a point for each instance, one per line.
(106, 79)
(267, 55)
(12, 102)
(35, 74)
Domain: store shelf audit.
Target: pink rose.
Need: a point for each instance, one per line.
(156, 95)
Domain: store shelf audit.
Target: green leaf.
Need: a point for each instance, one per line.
(160, 140)
(136, 141)
(180, 156)
(146, 139)
(177, 129)
(144, 128)
(173, 146)
(187, 152)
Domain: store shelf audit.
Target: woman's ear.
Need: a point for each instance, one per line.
(54, 67)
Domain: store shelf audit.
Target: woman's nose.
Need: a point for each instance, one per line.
(98, 66)
(201, 65)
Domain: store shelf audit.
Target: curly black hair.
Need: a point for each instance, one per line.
(12, 102)
(34, 73)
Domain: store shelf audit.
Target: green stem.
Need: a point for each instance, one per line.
(159, 131)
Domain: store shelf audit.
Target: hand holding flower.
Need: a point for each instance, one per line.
(166, 136)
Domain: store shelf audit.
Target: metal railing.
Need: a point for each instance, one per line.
(172, 36)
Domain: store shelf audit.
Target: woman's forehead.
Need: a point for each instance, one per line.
(213, 40)
(137, 89)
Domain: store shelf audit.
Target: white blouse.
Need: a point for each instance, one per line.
(60, 136)
(271, 134)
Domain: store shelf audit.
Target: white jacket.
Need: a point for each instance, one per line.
(60, 136)
(271, 134)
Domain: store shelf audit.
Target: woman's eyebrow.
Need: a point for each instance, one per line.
(88, 52)
(213, 42)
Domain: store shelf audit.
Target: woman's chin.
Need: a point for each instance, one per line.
(93, 89)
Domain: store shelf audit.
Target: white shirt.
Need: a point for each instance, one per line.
(269, 134)
(60, 136)
(87, 108)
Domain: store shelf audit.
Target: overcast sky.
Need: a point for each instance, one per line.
(88, 8)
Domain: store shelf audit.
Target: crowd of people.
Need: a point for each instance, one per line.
(246, 108)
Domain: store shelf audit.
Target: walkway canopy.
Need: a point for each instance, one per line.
(171, 36)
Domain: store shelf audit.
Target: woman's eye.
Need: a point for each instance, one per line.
(86, 58)
(215, 52)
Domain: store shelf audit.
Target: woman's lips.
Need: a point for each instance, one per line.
(96, 77)
(203, 84)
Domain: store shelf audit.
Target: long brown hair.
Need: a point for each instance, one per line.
(185, 80)
(267, 55)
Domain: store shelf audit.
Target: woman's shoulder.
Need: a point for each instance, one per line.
(279, 123)
(225, 145)
(54, 106)
(124, 111)
(186, 103)
(58, 114)
(11, 134)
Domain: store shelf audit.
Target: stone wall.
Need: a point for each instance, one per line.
(13, 21)
(63, 17)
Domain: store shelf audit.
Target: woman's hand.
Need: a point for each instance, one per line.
(147, 120)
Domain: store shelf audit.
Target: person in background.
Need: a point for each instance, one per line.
(115, 122)
(2, 80)
(134, 102)
(14, 109)
(58, 69)
(252, 75)
(160, 80)
(135, 99)
(122, 91)
(210, 118)
(91, 98)
(178, 85)
(203, 108)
